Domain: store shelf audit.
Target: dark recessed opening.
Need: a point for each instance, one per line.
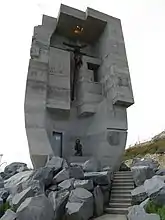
(94, 68)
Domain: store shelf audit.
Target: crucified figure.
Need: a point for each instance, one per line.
(77, 63)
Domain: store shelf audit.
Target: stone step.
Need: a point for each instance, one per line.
(124, 191)
(123, 187)
(119, 200)
(119, 205)
(122, 175)
(120, 196)
(123, 178)
(116, 183)
(116, 210)
(123, 172)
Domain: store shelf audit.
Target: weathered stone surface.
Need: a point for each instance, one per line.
(145, 162)
(14, 183)
(67, 184)
(4, 193)
(99, 178)
(92, 165)
(36, 208)
(138, 213)
(76, 172)
(144, 203)
(59, 200)
(124, 167)
(80, 195)
(1, 202)
(80, 205)
(86, 184)
(37, 186)
(106, 193)
(141, 173)
(98, 201)
(160, 172)
(159, 198)
(44, 175)
(76, 211)
(138, 195)
(57, 163)
(1, 182)
(9, 215)
(14, 168)
(61, 176)
(153, 186)
(20, 197)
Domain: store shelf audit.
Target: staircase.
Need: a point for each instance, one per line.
(120, 198)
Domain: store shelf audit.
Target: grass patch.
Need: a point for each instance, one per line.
(141, 150)
(4, 208)
(154, 208)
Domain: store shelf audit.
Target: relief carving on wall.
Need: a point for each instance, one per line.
(113, 138)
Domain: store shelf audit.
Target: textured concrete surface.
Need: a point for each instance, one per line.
(103, 91)
(112, 217)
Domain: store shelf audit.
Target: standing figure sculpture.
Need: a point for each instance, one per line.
(78, 148)
(77, 63)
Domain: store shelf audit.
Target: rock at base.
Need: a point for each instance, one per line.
(9, 215)
(91, 165)
(99, 178)
(66, 184)
(138, 213)
(76, 172)
(80, 205)
(86, 184)
(59, 200)
(20, 197)
(36, 208)
(14, 168)
(160, 172)
(138, 195)
(141, 173)
(153, 186)
(98, 201)
(61, 176)
(44, 175)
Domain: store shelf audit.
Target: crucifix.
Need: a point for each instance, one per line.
(77, 63)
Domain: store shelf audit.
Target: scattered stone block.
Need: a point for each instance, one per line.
(153, 186)
(20, 197)
(80, 205)
(61, 176)
(141, 173)
(36, 208)
(86, 184)
(76, 172)
(66, 184)
(59, 200)
(99, 178)
(9, 215)
(92, 165)
(138, 195)
(98, 201)
(138, 213)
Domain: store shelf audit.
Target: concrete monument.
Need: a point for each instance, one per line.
(78, 87)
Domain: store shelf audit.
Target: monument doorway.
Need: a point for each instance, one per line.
(56, 143)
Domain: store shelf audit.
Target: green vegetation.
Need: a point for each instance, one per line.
(139, 150)
(154, 208)
(3, 208)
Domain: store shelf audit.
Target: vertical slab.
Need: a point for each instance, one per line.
(59, 80)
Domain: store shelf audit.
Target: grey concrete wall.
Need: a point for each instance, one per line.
(98, 114)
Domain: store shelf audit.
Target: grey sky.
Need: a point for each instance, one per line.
(143, 24)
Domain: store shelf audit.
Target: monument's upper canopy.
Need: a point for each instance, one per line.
(78, 25)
